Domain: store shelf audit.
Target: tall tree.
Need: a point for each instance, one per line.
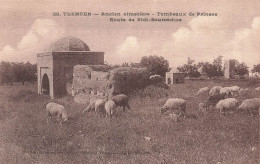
(241, 69)
(218, 66)
(190, 68)
(256, 69)
(155, 64)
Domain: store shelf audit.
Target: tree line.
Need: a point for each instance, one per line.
(158, 65)
(11, 72)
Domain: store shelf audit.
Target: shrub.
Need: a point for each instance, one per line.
(128, 79)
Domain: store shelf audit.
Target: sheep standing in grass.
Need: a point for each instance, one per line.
(234, 89)
(227, 104)
(213, 100)
(215, 90)
(175, 104)
(121, 100)
(225, 91)
(203, 90)
(58, 110)
(257, 89)
(90, 107)
(110, 107)
(250, 105)
(100, 105)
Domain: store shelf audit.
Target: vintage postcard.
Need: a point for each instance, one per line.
(120, 81)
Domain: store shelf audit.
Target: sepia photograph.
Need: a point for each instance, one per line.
(128, 81)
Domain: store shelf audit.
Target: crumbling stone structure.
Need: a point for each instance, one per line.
(98, 81)
(55, 67)
(174, 77)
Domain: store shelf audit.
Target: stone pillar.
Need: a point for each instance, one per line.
(229, 69)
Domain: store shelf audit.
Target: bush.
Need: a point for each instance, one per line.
(128, 79)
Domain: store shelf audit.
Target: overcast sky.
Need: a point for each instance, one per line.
(27, 27)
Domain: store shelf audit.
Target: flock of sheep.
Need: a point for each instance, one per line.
(223, 98)
(100, 106)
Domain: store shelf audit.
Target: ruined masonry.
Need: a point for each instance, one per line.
(55, 66)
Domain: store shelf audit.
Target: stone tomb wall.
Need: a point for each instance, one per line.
(98, 81)
(89, 83)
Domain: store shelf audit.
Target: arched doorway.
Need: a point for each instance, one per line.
(45, 85)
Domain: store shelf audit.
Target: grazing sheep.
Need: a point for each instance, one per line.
(234, 89)
(227, 104)
(257, 89)
(110, 106)
(225, 91)
(91, 106)
(175, 104)
(121, 100)
(250, 105)
(213, 100)
(215, 90)
(100, 105)
(203, 90)
(58, 110)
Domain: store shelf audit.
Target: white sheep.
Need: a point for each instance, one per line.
(90, 107)
(257, 89)
(100, 105)
(234, 89)
(58, 110)
(121, 100)
(110, 106)
(250, 105)
(175, 104)
(215, 90)
(225, 91)
(227, 104)
(203, 90)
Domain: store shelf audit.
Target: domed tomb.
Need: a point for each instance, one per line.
(69, 44)
(55, 67)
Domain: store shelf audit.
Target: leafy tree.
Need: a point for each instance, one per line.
(214, 69)
(256, 69)
(137, 65)
(218, 66)
(6, 73)
(241, 69)
(155, 64)
(125, 64)
(208, 69)
(190, 68)
(17, 72)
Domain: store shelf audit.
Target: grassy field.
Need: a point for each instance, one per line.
(25, 136)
